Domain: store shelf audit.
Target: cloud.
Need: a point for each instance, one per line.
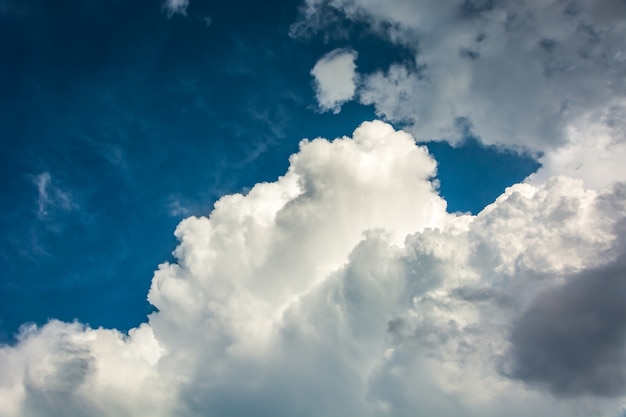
(593, 153)
(546, 76)
(173, 7)
(572, 337)
(50, 197)
(345, 288)
(335, 79)
(67, 368)
(176, 207)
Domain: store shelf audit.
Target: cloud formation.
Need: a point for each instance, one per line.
(345, 288)
(335, 79)
(546, 76)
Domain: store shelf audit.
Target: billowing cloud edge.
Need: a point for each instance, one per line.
(345, 288)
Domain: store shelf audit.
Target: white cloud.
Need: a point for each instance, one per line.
(173, 7)
(541, 75)
(67, 369)
(335, 79)
(594, 153)
(345, 288)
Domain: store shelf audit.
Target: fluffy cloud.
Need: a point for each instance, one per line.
(67, 369)
(335, 79)
(345, 288)
(541, 75)
(594, 154)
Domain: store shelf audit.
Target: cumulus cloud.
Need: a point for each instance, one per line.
(345, 288)
(68, 369)
(335, 79)
(542, 75)
(173, 7)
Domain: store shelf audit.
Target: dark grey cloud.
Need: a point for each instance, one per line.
(571, 340)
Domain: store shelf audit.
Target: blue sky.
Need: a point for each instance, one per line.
(120, 120)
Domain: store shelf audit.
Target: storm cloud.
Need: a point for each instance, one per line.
(572, 338)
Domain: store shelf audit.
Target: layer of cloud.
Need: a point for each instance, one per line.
(345, 288)
(335, 79)
(541, 75)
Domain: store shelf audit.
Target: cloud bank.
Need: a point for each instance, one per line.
(335, 79)
(345, 288)
(545, 76)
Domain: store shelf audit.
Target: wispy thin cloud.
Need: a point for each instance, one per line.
(173, 7)
(51, 197)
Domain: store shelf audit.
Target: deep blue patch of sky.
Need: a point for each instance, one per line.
(472, 175)
(139, 121)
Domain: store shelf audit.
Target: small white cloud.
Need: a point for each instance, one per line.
(335, 79)
(173, 7)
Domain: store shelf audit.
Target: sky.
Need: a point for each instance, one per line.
(313, 208)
